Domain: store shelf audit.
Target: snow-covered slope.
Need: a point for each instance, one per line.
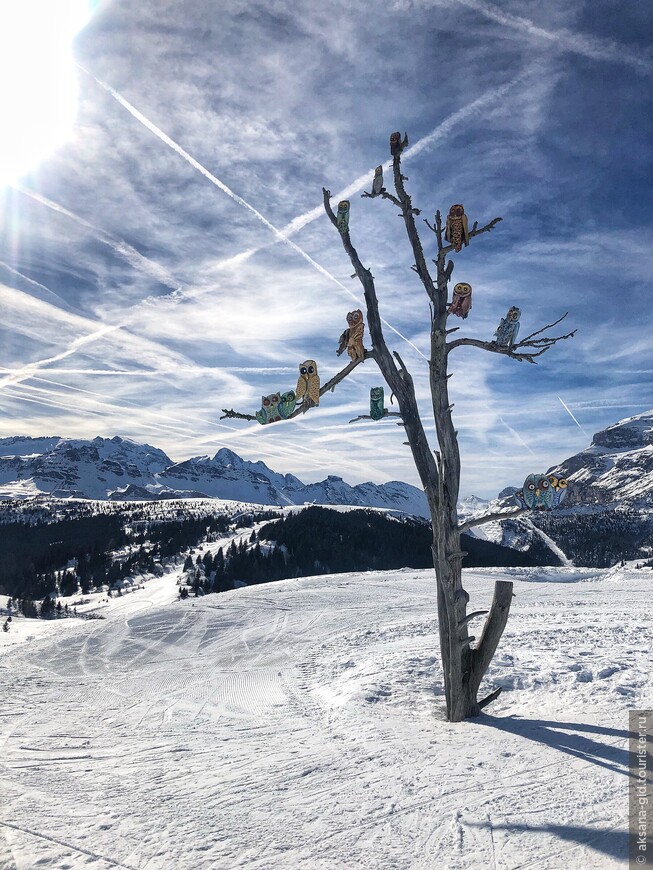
(118, 468)
(299, 726)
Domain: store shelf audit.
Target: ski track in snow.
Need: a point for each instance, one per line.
(301, 724)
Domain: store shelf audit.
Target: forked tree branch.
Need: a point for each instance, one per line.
(539, 345)
(302, 409)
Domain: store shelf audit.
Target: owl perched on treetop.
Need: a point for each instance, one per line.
(308, 385)
(396, 145)
(342, 217)
(456, 231)
(352, 337)
(507, 330)
(462, 300)
(269, 412)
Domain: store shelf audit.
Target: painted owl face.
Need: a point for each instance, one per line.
(378, 171)
(395, 138)
(343, 205)
(457, 211)
(514, 313)
(376, 393)
(354, 317)
(271, 402)
(289, 396)
(308, 369)
(462, 289)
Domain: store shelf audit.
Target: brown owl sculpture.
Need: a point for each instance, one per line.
(308, 385)
(396, 145)
(456, 231)
(462, 300)
(352, 337)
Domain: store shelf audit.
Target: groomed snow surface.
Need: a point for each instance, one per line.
(300, 724)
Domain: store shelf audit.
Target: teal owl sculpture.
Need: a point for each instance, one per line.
(537, 493)
(376, 403)
(269, 412)
(342, 217)
(287, 404)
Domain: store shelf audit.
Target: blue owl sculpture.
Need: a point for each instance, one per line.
(507, 330)
(542, 492)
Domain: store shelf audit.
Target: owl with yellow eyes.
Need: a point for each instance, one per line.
(308, 385)
(560, 488)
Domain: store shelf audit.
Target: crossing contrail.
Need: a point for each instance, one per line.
(573, 418)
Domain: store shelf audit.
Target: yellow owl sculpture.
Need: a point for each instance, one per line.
(308, 385)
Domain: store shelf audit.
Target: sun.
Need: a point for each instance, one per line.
(38, 80)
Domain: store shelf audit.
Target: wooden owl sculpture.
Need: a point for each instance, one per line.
(308, 385)
(342, 217)
(269, 412)
(396, 145)
(462, 300)
(352, 337)
(507, 330)
(559, 486)
(377, 183)
(538, 492)
(376, 403)
(456, 231)
(287, 404)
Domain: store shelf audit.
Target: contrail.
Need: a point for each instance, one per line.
(574, 419)
(26, 371)
(133, 257)
(225, 189)
(61, 302)
(597, 49)
(516, 434)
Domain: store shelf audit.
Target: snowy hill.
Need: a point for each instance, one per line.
(118, 468)
(299, 726)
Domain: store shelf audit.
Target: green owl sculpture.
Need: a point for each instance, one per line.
(269, 412)
(342, 218)
(287, 404)
(376, 403)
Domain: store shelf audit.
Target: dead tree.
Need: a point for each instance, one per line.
(464, 665)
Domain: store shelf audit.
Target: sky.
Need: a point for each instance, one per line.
(164, 253)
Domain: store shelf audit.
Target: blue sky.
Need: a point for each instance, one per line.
(139, 297)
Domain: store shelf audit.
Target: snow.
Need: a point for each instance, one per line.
(300, 725)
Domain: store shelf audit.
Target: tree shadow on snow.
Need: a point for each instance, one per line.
(607, 840)
(555, 734)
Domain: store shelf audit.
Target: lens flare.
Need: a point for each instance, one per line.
(38, 80)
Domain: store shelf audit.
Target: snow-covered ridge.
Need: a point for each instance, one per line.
(118, 468)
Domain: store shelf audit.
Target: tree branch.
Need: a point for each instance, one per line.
(302, 409)
(369, 416)
(540, 345)
(488, 518)
(473, 232)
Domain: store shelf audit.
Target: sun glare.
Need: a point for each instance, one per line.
(38, 81)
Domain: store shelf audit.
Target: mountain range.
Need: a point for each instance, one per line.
(120, 469)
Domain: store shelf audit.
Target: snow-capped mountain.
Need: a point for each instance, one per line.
(118, 468)
(616, 467)
(607, 513)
